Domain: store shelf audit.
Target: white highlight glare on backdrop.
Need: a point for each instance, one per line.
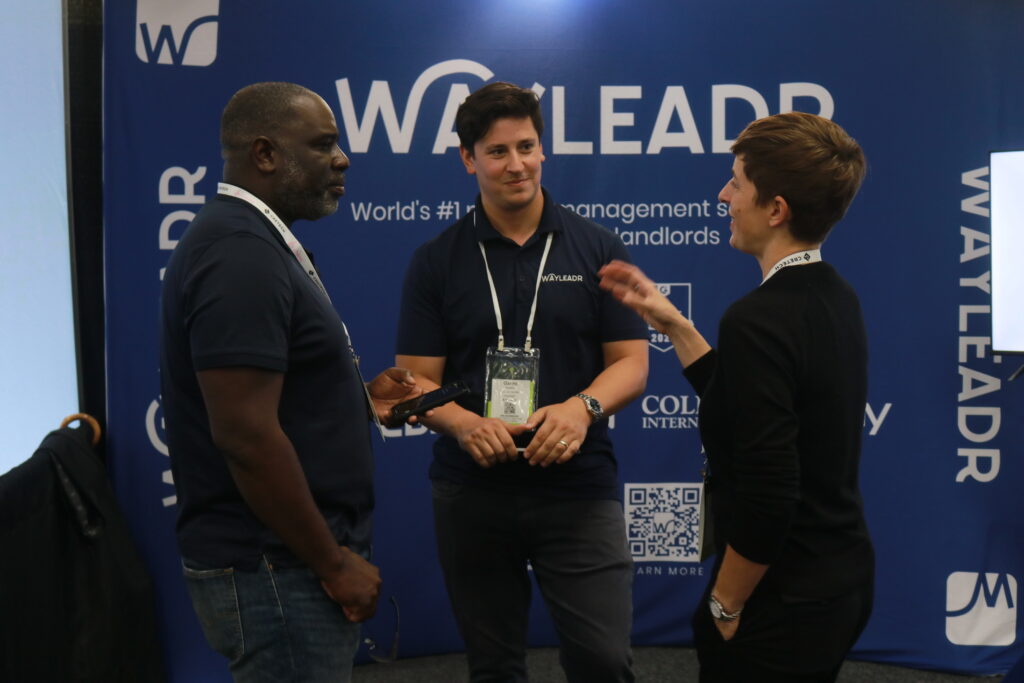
(37, 346)
(1006, 174)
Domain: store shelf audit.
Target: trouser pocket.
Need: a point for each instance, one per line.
(215, 601)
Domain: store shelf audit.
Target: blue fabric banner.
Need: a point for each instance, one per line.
(641, 102)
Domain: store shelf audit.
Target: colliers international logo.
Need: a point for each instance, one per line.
(180, 33)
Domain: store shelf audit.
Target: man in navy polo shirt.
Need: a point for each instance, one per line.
(267, 416)
(507, 300)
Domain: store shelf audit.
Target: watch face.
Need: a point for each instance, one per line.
(716, 612)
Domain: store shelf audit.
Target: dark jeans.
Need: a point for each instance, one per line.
(273, 625)
(577, 549)
(782, 639)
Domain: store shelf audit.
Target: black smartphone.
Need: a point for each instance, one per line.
(524, 439)
(428, 401)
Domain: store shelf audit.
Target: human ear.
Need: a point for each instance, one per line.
(780, 212)
(468, 161)
(264, 154)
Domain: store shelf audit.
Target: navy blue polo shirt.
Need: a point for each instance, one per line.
(234, 295)
(447, 311)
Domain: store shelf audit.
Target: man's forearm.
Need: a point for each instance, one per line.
(624, 376)
(267, 472)
(619, 383)
(449, 419)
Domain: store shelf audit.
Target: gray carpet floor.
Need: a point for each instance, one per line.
(652, 664)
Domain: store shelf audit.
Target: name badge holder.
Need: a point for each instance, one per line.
(705, 530)
(307, 265)
(512, 373)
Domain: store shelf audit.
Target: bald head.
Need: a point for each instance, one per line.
(260, 109)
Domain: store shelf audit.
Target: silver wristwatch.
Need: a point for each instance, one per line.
(593, 406)
(719, 613)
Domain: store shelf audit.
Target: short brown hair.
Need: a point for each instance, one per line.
(495, 101)
(807, 160)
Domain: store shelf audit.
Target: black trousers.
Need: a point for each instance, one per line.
(782, 639)
(578, 552)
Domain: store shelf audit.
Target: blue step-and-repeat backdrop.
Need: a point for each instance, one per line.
(641, 101)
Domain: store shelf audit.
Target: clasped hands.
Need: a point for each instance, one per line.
(560, 431)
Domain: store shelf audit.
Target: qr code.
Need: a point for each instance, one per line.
(663, 521)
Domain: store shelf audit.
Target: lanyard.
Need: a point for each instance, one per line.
(800, 258)
(282, 229)
(536, 292)
(307, 265)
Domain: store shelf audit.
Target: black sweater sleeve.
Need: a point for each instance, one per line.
(699, 372)
(757, 372)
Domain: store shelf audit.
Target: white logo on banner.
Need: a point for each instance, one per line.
(671, 411)
(155, 430)
(182, 33)
(662, 521)
(981, 609)
(681, 295)
(978, 415)
(620, 131)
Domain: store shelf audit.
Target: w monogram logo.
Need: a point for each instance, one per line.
(182, 33)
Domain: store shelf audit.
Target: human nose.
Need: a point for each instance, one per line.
(340, 160)
(724, 194)
(515, 162)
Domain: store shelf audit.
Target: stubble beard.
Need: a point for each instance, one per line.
(299, 202)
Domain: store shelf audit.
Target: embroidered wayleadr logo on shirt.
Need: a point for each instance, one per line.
(555, 277)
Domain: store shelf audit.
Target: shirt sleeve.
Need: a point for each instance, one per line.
(619, 323)
(420, 318)
(238, 303)
(758, 365)
(699, 372)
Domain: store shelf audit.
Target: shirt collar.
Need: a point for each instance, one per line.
(550, 221)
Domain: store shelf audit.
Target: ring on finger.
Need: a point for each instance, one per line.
(564, 443)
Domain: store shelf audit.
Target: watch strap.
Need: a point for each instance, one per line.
(719, 612)
(593, 406)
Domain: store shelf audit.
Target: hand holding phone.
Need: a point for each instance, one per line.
(401, 412)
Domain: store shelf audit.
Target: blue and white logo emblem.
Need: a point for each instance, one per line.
(182, 33)
(981, 609)
(680, 294)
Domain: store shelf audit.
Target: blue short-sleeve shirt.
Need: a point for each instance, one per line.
(235, 296)
(447, 311)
